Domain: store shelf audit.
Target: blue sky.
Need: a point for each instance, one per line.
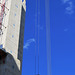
(62, 22)
(29, 39)
(62, 29)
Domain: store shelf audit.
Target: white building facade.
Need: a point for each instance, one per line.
(12, 22)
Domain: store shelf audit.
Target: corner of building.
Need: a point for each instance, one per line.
(24, 4)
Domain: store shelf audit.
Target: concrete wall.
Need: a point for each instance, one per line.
(13, 36)
(10, 66)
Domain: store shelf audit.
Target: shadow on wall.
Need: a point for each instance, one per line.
(8, 64)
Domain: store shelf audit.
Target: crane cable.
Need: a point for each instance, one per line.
(38, 30)
(35, 33)
(37, 23)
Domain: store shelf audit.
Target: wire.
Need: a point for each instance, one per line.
(35, 34)
(38, 30)
(37, 25)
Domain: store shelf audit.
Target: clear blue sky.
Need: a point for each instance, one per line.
(62, 29)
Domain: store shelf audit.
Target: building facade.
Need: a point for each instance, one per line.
(12, 22)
